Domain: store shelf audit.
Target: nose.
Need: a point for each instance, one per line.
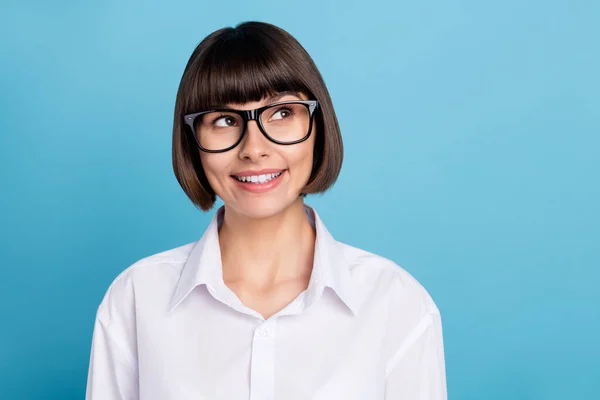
(254, 145)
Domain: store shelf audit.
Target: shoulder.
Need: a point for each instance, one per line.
(386, 276)
(388, 290)
(152, 276)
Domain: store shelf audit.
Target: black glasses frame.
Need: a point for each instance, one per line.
(251, 115)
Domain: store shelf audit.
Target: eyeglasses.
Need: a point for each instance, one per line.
(220, 130)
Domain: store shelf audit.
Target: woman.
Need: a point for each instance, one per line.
(267, 304)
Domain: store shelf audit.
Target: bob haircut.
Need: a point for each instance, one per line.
(248, 63)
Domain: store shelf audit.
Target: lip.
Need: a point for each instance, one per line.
(258, 172)
(259, 187)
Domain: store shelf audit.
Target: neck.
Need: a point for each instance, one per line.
(266, 251)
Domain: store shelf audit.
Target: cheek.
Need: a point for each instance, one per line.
(213, 165)
(302, 159)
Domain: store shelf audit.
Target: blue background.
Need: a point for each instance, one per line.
(472, 134)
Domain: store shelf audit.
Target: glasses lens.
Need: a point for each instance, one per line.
(218, 130)
(286, 122)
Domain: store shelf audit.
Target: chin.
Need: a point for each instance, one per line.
(261, 207)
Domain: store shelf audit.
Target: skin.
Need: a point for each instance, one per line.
(267, 243)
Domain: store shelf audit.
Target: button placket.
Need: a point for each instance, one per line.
(262, 369)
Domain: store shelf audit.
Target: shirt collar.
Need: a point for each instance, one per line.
(330, 269)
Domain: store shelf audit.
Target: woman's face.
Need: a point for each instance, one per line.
(279, 172)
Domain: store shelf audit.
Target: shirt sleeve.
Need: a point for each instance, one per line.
(417, 370)
(112, 375)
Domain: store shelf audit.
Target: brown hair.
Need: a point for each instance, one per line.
(242, 64)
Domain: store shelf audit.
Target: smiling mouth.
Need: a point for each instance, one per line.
(258, 179)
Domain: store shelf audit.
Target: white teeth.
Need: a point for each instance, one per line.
(263, 178)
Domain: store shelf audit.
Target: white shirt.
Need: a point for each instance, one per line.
(169, 328)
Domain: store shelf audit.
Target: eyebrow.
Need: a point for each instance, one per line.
(271, 99)
(274, 98)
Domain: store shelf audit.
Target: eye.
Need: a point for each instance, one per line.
(282, 113)
(224, 121)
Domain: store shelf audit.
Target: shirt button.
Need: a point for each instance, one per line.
(264, 332)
